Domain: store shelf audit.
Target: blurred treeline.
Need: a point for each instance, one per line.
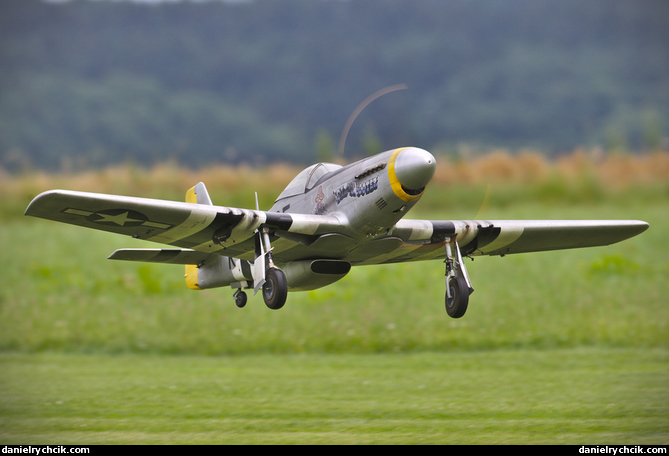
(91, 83)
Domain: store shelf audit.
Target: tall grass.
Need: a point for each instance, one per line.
(515, 177)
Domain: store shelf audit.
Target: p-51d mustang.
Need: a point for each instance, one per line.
(328, 219)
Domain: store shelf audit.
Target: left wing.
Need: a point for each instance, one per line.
(504, 237)
(199, 227)
(424, 239)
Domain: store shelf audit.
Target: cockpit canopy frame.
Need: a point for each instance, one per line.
(307, 179)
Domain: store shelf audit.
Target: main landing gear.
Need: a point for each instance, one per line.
(271, 279)
(458, 286)
(275, 288)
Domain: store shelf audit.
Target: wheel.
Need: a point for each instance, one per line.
(240, 299)
(456, 305)
(275, 288)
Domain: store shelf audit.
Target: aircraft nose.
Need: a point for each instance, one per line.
(414, 168)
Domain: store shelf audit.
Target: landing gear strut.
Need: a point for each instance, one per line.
(271, 279)
(458, 286)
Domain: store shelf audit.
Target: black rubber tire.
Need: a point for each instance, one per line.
(240, 299)
(456, 306)
(275, 289)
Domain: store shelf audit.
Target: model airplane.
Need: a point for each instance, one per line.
(328, 219)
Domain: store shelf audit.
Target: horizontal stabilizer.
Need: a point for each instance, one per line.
(171, 256)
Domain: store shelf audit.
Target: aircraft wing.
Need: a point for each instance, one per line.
(205, 229)
(519, 236)
(423, 239)
(199, 227)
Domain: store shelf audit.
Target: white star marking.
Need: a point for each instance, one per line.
(120, 219)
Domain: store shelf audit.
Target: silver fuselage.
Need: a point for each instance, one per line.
(370, 196)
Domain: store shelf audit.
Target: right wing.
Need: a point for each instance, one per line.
(199, 227)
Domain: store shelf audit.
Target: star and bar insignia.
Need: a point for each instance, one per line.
(117, 217)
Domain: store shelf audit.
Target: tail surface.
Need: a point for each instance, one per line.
(196, 195)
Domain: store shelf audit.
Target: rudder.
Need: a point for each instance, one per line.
(196, 195)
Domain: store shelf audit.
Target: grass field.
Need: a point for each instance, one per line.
(561, 347)
(561, 396)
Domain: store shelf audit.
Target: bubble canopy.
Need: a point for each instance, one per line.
(307, 178)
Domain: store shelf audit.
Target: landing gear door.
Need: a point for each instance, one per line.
(259, 266)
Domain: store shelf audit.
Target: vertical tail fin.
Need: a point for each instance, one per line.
(196, 195)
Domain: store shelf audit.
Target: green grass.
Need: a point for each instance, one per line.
(559, 347)
(571, 396)
(61, 293)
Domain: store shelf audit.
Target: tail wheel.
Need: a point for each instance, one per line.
(240, 298)
(275, 288)
(456, 305)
